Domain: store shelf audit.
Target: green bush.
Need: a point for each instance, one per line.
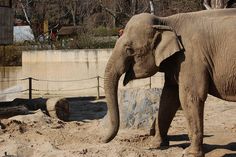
(84, 41)
(103, 31)
(91, 41)
(101, 45)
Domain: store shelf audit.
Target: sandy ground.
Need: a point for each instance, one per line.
(38, 135)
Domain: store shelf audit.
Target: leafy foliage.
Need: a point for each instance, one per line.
(103, 31)
(101, 18)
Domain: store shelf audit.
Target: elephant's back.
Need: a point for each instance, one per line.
(216, 13)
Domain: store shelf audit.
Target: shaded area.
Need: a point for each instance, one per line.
(21, 107)
(207, 147)
(33, 104)
(183, 137)
(230, 155)
(80, 108)
(84, 98)
(230, 146)
(87, 109)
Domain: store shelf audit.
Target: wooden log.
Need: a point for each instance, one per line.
(7, 112)
(21, 107)
(31, 104)
(58, 108)
(54, 107)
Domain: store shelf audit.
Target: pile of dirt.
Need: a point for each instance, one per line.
(37, 135)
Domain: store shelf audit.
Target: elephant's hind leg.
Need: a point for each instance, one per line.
(169, 104)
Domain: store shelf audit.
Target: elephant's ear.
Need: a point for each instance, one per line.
(165, 42)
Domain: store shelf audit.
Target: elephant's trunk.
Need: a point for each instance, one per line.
(112, 76)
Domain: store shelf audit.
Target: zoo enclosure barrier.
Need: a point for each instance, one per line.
(31, 88)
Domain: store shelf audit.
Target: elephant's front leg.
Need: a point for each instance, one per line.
(193, 106)
(169, 104)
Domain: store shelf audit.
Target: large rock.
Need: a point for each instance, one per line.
(138, 107)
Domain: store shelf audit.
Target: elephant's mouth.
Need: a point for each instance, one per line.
(129, 76)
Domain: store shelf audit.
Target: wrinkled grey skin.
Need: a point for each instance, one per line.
(197, 53)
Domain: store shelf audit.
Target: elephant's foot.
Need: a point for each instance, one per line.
(192, 152)
(158, 143)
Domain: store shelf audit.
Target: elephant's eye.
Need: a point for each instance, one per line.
(129, 51)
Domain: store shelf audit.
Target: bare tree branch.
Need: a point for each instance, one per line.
(72, 7)
(152, 7)
(206, 6)
(108, 10)
(114, 15)
(217, 4)
(25, 13)
(134, 6)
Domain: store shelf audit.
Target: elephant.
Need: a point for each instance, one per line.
(196, 51)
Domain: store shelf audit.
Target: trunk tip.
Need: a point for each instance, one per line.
(108, 139)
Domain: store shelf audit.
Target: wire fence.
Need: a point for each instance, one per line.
(35, 86)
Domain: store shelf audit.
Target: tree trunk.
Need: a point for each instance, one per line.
(73, 17)
(25, 12)
(134, 6)
(217, 4)
(152, 11)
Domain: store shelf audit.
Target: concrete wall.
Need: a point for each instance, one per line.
(77, 55)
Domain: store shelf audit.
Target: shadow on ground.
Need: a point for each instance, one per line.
(207, 147)
(80, 108)
(86, 108)
(229, 146)
(230, 155)
(183, 137)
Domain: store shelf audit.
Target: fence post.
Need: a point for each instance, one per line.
(150, 82)
(98, 92)
(30, 88)
(4, 61)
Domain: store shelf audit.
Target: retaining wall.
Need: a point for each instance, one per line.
(78, 55)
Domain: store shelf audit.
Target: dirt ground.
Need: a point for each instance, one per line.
(37, 135)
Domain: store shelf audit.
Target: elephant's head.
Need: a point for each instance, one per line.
(139, 52)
